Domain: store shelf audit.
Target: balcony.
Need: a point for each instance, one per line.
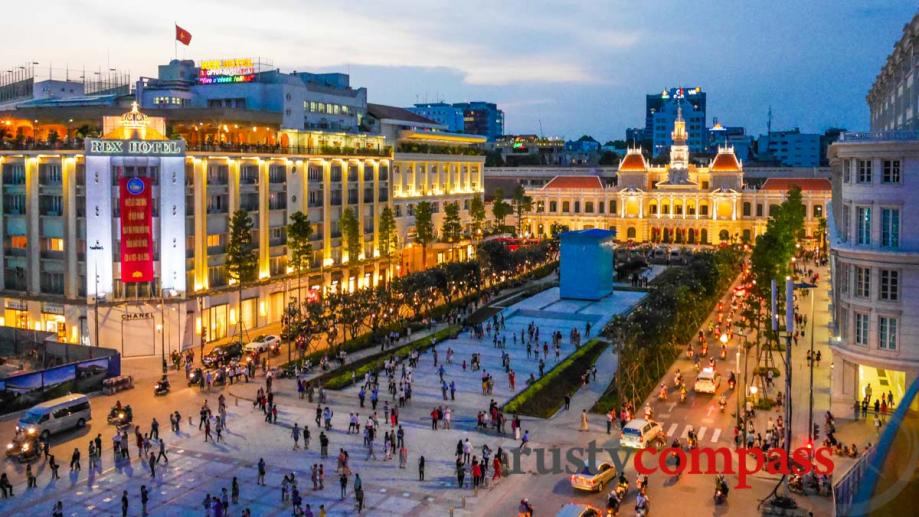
(385, 152)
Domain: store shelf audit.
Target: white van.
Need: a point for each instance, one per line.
(56, 415)
(707, 381)
(638, 433)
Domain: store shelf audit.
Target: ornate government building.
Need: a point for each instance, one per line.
(676, 203)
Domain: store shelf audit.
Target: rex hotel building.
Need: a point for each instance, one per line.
(118, 236)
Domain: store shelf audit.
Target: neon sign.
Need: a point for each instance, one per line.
(226, 71)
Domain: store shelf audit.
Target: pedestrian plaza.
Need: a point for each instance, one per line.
(197, 468)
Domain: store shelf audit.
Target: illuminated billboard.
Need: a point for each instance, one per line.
(227, 71)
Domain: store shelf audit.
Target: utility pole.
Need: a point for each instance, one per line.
(163, 324)
(789, 330)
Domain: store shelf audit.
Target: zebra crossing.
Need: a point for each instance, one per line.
(713, 434)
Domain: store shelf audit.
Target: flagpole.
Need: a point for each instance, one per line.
(175, 41)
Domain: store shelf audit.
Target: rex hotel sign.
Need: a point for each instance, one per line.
(103, 147)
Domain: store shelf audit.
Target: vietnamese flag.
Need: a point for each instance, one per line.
(183, 35)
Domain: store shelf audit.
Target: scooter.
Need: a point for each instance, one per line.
(682, 393)
(721, 490)
(662, 394)
(724, 352)
(161, 387)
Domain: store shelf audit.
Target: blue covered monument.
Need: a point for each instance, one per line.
(586, 269)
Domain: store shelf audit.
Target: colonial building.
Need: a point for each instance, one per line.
(122, 242)
(875, 266)
(679, 202)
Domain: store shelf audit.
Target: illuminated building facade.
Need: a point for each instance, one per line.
(874, 259)
(430, 165)
(676, 203)
(95, 238)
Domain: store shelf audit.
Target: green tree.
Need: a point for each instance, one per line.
(477, 213)
(386, 234)
(522, 204)
(299, 232)
(351, 233)
(424, 228)
(452, 228)
(241, 260)
(500, 208)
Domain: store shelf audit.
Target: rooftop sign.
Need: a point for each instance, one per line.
(224, 71)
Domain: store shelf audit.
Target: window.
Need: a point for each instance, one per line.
(600, 207)
(747, 209)
(889, 285)
(553, 206)
(887, 333)
(759, 210)
(214, 240)
(862, 282)
(588, 207)
(818, 211)
(891, 171)
(890, 227)
(846, 228)
(773, 210)
(861, 329)
(566, 206)
(863, 225)
(844, 279)
(864, 171)
(19, 241)
(55, 244)
(846, 168)
(577, 207)
(653, 209)
(703, 210)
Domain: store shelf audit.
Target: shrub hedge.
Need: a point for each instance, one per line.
(340, 378)
(545, 396)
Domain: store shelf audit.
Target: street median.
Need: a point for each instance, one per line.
(544, 397)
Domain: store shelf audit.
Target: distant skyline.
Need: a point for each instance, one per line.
(581, 67)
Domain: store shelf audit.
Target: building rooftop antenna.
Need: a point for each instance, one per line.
(769, 122)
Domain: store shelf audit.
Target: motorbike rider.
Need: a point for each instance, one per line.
(682, 392)
(678, 378)
(641, 504)
(662, 394)
(721, 488)
(649, 413)
(732, 381)
(722, 402)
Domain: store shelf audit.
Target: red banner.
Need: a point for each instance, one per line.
(136, 229)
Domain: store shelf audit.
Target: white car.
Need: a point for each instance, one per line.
(638, 433)
(263, 344)
(578, 510)
(594, 479)
(707, 381)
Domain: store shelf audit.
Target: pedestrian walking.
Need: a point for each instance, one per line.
(343, 481)
(295, 433)
(5, 486)
(421, 468)
(30, 477)
(261, 472)
(144, 498)
(234, 491)
(124, 503)
(75, 460)
(53, 466)
(358, 492)
(152, 462)
(162, 453)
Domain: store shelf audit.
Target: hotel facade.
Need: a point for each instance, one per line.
(679, 203)
(122, 243)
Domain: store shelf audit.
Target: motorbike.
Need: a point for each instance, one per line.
(121, 418)
(721, 490)
(677, 380)
(220, 377)
(196, 378)
(622, 489)
(612, 504)
(722, 403)
(724, 352)
(682, 394)
(24, 447)
(161, 387)
(662, 394)
(732, 382)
